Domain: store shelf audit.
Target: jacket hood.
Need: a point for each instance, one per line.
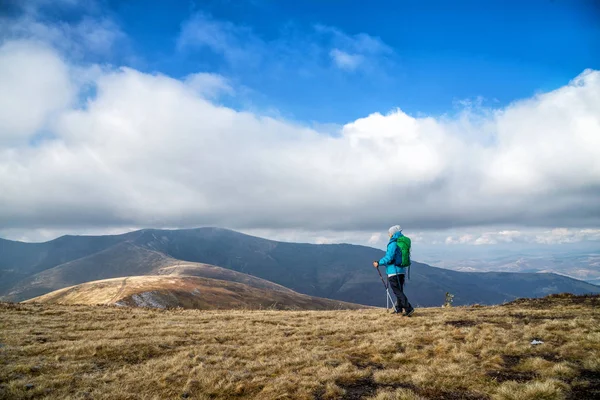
(396, 235)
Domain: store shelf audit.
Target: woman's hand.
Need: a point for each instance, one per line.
(375, 264)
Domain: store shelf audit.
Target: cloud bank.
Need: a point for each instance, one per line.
(86, 146)
(150, 150)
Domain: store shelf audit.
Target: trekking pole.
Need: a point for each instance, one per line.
(387, 291)
(387, 303)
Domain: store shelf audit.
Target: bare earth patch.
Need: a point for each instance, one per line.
(104, 352)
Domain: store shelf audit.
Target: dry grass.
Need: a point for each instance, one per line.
(172, 291)
(87, 352)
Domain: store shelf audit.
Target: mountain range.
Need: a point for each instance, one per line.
(340, 272)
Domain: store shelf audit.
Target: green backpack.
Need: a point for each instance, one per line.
(403, 243)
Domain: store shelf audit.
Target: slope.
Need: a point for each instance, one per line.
(167, 291)
(126, 259)
(211, 271)
(20, 260)
(121, 259)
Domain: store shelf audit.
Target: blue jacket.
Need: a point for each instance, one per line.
(388, 259)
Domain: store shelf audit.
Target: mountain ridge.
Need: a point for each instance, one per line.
(337, 271)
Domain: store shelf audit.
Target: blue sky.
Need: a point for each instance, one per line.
(432, 53)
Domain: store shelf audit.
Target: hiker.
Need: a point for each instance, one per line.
(396, 273)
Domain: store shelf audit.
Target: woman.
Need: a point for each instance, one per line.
(395, 273)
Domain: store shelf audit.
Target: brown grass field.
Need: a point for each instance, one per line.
(190, 292)
(102, 352)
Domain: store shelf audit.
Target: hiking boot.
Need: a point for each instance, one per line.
(398, 308)
(408, 313)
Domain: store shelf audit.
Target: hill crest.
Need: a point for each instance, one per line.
(192, 292)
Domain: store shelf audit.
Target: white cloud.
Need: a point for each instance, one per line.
(351, 52)
(374, 239)
(345, 60)
(528, 236)
(462, 239)
(98, 36)
(565, 235)
(149, 150)
(88, 36)
(485, 240)
(209, 85)
(360, 43)
(35, 85)
(301, 52)
(236, 44)
(36, 7)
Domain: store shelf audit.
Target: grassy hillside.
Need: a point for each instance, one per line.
(214, 272)
(169, 291)
(124, 259)
(121, 259)
(20, 260)
(35, 257)
(78, 352)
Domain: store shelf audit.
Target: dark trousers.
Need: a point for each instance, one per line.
(397, 285)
